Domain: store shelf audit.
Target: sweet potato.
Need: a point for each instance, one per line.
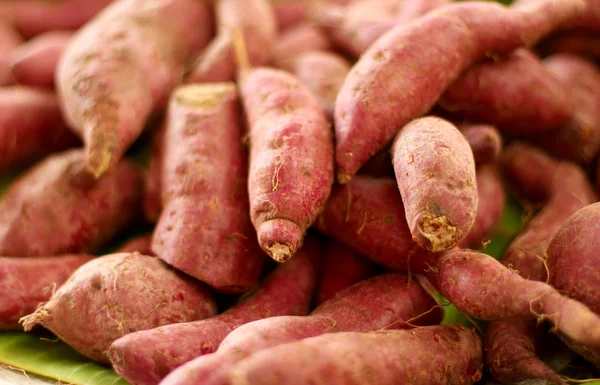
(291, 159)
(368, 215)
(119, 294)
(380, 302)
(204, 229)
(34, 17)
(152, 182)
(428, 355)
(490, 207)
(342, 267)
(140, 244)
(517, 94)
(146, 357)
(109, 83)
(31, 126)
(435, 170)
(485, 142)
(34, 63)
(9, 42)
(575, 42)
(289, 14)
(304, 37)
(27, 282)
(401, 76)
(256, 21)
(579, 139)
(573, 265)
(323, 73)
(55, 208)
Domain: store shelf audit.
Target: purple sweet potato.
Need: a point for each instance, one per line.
(139, 244)
(256, 22)
(34, 63)
(435, 170)
(10, 40)
(580, 43)
(109, 82)
(401, 76)
(304, 37)
(31, 126)
(574, 263)
(146, 357)
(342, 267)
(385, 301)
(485, 142)
(517, 94)
(57, 208)
(291, 158)
(27, 282)
(152, 183)
(368, 215)
(432, 355)
(116, 295)
(204, 229)
(490, 207)
(323, 73)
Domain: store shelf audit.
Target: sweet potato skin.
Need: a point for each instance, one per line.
(109, 83)
(31, 126)
(153, 178)
(517, 94)
(27, 282)
(447, 354)
(207, 204)
(34, 63)
(371, 107)
(122, 293)
(368, 215)
(301, 38)
(485, 142)
(139, 244)
(435, 170)
(10, 40)
(287, 291)
(55, 208)
(291, 159)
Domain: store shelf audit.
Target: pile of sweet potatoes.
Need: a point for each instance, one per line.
(318, 183)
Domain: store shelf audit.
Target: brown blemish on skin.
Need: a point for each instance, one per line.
(438, 231)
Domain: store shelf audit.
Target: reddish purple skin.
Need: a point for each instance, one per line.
(34, 63)
(118, 70)
(582, 43)
(10, 40)
(435, 355)
(119, 294)
(287, 291)
(204, 229)
(289, 14)
(589, 19)
(574, 264)
(401, 76)
(152, 182)
(291, 158)
(485, 142)
(342, 267)
(27, 282)
(301, 38)
(517, 94)
(579, 139)
(380, 302)
(55, 207)
(139, 244)
(31, 126)
(368, 215)
(435, 171)
(490, 207)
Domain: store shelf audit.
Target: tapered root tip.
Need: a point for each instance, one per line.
(436, 233)
(30, 321)
(280, 238)
(101, 152)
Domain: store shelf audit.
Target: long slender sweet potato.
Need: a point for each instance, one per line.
(139, 244)
(119, 294)
(368, 215)
(490, 206)
(435, 170)
(9, 42)
(146, 357)
(27, 282)
(323, 73)
(31, 126)
(401, 76)
(574, 263)
(122, 66)
(34, 63)
(517, 94)
(304, 37)
(55, 208)
(204, 229)
(256, 21)
(485, 142)
(291, 158)
(380, 302)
